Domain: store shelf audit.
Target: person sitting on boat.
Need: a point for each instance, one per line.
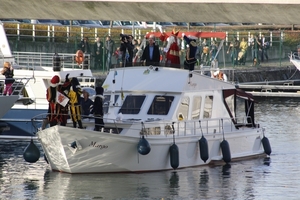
(98, 109)
(220, 75)
(172, 49)
(190, 58)
(51, 98)
(74, 103)
(8, 72)
(86, 104)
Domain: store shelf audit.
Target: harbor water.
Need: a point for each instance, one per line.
(275, 177)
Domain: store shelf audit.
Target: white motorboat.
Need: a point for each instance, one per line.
(159, 118)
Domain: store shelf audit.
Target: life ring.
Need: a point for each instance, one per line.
(79, 57)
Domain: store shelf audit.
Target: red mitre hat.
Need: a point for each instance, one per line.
(54, 81)
(175, 32)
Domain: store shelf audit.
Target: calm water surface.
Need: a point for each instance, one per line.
(277, 177)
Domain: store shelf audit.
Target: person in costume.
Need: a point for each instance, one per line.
(172, 49)
(98, 109)
(190, 58)
(74, 102)
(51, 98)
(62, 111)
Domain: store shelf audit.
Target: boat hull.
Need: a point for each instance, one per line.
(19, 121)
(99, 152)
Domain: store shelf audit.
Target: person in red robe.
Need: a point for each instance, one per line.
(172, 49)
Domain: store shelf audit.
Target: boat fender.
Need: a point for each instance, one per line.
(266, 145)
(225, 151)
(174, 156)
(143, 146)
(203, 146)
(79, 57)
(31, 153)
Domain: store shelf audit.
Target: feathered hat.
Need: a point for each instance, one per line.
(54, 81)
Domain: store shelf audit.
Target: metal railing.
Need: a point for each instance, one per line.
(54, 33)
(32, 60)
(179, 128)
(17, 86)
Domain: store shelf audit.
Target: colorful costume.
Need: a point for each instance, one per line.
(190, 58)
(172, 56)
(62, 111)
(75, 107)
(51, 98)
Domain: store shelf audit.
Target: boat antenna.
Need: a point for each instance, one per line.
(122, 93)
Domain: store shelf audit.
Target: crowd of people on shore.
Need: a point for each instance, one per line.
(173, 50)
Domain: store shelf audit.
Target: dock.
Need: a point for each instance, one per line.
(284, 88)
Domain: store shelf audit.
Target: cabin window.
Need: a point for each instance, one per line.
(208, 103)
(106, 102)
(160, 105)
(196, 107)
(132, 104)
(183, 109)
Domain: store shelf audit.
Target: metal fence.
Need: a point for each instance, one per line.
(51, 33)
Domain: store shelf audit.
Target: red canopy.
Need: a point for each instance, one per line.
(165, 35)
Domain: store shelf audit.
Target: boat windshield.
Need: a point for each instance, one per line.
(160, 105)
(107, 101)
(132, 104)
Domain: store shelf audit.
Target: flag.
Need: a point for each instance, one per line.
(61, 99)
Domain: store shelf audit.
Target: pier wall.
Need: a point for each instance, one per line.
(265, 74)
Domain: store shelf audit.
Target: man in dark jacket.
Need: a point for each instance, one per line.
(98, 109)
(98, 54)
(151, 54)
(85, 48)
(126, 47)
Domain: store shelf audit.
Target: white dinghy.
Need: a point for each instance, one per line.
(159, 118)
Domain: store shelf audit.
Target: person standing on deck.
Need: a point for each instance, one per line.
(75, 107)
(172, 49)
(8, 72)
(51, 98)
(190, 59)
(98, 109)
(151, 53)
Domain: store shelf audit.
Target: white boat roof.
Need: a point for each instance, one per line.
(164, 80)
